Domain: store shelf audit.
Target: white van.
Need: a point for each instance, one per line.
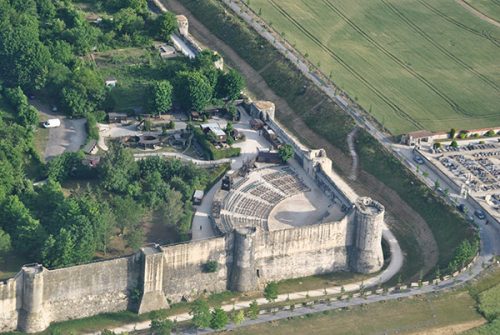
(52, 123)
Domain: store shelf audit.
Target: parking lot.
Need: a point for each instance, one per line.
(473, 167)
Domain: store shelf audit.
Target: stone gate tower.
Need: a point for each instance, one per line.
(368, 219)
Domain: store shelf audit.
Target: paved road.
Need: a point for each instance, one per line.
(70, 136)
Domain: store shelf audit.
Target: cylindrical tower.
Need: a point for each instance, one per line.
(243, 274)
(32, 317)
(369, 219)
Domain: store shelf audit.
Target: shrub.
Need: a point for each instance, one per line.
(454, 144)
(271, 291)
(490, 133)
(211, 266)
(91, 127)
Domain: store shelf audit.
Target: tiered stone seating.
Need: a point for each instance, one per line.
(249, 204)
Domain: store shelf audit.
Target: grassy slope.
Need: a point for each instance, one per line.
(381, 318)
(391, 51)
(408, 316)
(448, 228)
(490, 8)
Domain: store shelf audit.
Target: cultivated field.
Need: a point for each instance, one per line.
(415, 64)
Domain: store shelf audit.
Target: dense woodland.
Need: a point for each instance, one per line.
(45, 47)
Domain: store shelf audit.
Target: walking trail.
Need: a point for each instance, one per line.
(354, 155)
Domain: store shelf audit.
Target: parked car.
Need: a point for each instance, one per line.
(480, 214)
(418, 160)
(52, 123)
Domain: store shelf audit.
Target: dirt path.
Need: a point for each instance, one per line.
(400, 217)
(477, 13)
(354, 155)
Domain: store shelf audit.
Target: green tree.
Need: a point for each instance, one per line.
(238, 317)
(160, 324)
(127, 211)
(453, 132)
(117, 168)
(193, 90)
(59, 251)
(24, 230)
(285, 152)
(173, 208)
(5, 244)
(271, 291)
(454, 144)
(25, 60)
(135, 237)
(253, 310)
(230, 85)
(200, 313)
(219, 319)
(166, 24)
(127, 21)
(160, 97)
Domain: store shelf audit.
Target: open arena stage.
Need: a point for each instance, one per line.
(275, 197)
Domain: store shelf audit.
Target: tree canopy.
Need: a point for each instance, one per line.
(160, 97)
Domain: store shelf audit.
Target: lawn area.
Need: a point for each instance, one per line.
(489, 8)
(319, 281)
(134, 69)
(414, 64)
(401, 317)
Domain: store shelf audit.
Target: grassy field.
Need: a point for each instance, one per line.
(489, 8)
(134, 69)
(444, 313)
(414, 64)
(391, 317)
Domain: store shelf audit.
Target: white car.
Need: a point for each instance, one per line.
(52, 123)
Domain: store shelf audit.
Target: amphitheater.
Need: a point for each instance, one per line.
(274, 198)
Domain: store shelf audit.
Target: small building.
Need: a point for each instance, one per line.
(166, 51)
(195, 116)
(91, 161)
(117, 117)
(198, 197)
(90, 147)
(216, 130)
(419, 137)
(256, 124)
(269, 156)
(111, 82)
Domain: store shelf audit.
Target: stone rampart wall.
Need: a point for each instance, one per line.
(9, 303)
(304, 251)
(89, 289)
(184, 274)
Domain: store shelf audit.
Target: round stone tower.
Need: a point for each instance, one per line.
(243, 274)
(32, 317)
(369, 218)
